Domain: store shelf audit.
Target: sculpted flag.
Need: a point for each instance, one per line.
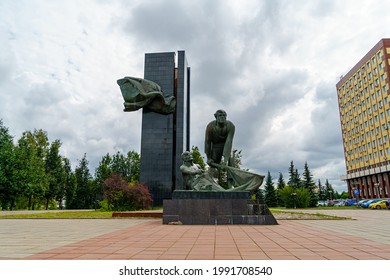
(141, 93)
(244, 180)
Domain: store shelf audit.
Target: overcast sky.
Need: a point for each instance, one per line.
(272, 65)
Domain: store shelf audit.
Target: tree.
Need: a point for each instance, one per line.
(104, 170)
(269, 193)
(69, 188)
(127, 166)
(294, 179)
(84, 197)
(281, 183)
(134, 163)
(8, 189)
(55, 172)
(31, 153)
(321, 191)
(197, 157)
(308, 183)
(329, 190)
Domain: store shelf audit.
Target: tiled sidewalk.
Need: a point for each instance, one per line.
(151, 240)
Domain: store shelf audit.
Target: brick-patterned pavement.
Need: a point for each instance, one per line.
(149, 239)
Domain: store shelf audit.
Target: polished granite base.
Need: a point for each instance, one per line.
(215, 208)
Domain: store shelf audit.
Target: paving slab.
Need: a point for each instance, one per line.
(365, 237)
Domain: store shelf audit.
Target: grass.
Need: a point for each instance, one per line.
(61, 215)
(283, 214)
(280, 213)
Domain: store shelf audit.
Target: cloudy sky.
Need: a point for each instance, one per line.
(272, 65)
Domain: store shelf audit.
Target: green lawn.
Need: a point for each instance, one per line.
(280, 212)
(60, 215)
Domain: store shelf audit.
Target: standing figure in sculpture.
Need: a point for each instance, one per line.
(218, 142)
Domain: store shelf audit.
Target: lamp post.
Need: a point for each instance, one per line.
(330, 195)
(377, 186)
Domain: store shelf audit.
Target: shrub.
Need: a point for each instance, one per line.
(118, 195)
(295, 197)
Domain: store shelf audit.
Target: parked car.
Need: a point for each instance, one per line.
(322, 203)
(381, 204)
(339, 203)
(350, 202)
(366, 204)
(360, 202)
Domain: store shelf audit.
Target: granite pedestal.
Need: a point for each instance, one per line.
(215, 208)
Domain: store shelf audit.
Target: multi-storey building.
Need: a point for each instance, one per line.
(364, 105)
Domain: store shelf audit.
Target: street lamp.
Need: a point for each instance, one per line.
(377, 186)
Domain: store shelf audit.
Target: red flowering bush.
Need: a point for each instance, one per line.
(121, 196)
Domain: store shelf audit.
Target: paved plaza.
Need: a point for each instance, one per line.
(365, 237)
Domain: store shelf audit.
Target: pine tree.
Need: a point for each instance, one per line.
(280, 186)
(84, 197)
(269, 193)
(294, 180)
(329, 190)
(281, 182)
(321, 191)
(308, 183)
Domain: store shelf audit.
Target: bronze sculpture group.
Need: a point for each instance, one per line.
(218, 148)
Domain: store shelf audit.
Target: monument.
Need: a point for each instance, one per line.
(163, 95)
(188, 194)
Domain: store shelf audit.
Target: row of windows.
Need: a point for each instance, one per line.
(366, 158)
(349, 131)
(366, 66)
(366, 113)
(358, 140)
(368, 145)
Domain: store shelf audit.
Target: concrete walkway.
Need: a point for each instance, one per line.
(367, 237)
